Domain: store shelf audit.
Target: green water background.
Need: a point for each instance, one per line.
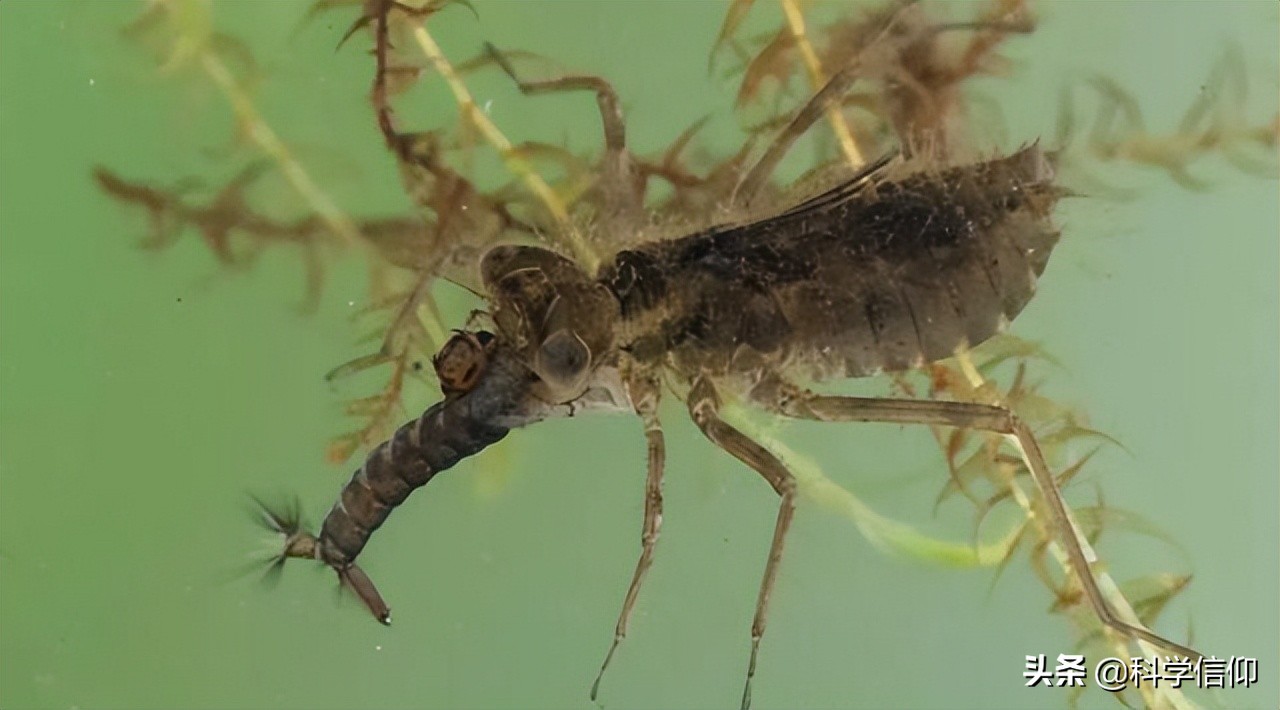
(142, 394)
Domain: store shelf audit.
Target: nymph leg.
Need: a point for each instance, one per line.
(789, 400)
(645, 393)
(704, 408)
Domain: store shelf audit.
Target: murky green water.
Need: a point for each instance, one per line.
(142, 394)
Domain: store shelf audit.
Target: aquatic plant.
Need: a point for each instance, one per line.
(848, 85)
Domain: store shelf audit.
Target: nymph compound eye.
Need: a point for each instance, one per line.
(462, 360)
(563, 361)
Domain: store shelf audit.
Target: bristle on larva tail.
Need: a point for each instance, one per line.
(287, 521)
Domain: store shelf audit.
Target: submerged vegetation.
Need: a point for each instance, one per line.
(848, 83)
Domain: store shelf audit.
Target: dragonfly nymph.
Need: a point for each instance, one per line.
(896, 267)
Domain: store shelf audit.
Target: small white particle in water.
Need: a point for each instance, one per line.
(91, 82)
(377, 648)
(351, 303)
(488, 105)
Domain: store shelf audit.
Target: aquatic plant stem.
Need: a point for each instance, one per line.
(818, 78)
(268, 142)
(266, 139)
(885, 533)
(511, 157)
(1163, 696)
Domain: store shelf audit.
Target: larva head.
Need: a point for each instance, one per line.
(553, 314)
(462, 360)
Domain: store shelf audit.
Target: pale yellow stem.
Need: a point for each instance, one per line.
(818, 78)
(269, 143)
(267, 140)
(517, 164)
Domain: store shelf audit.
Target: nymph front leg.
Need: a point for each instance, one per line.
(645, 393)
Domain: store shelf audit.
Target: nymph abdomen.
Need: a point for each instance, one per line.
(884, 275)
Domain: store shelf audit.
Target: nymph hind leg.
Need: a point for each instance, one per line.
(645, 393)
(789, 400)
(704, 407)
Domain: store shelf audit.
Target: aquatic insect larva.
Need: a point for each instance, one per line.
(899, 266)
